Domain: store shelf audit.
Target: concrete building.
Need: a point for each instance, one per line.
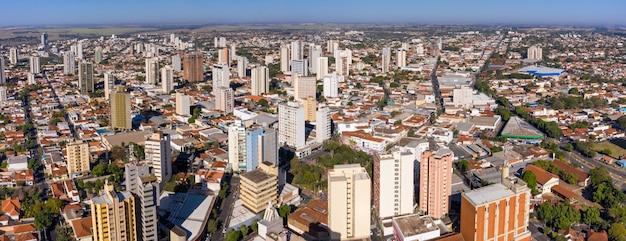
(177, 63)
(385, 59)
(14, 56)
(535, 52)
(237, 146)
(259, 187)
(158, 151)
(331, 85)
(223, 57)
(183, 104)
(291, 129)
(35, 66)
(249, 146)
(321, 68)
(233, 51)
(3, 78)
(303, 87)
(349, 205)
(167, 79)
(300, 66)
(462, 97)
(193, 69)
(323, 124)
(285, 61)
(221, 76)
(343, 62)
(260, 80)
(394, 183)
(113, 215)
(77, 157)
(109, 82)
(152, 71)
(144, 188)
(297, 50)
(120, 109)
(332, 45)
(85, 77)
(435, 182)
(496, 212)
(401, 58)
(98, 55)
(310, 107)
(242, 66)
(69, 63)
(224, 99)
(315, 52)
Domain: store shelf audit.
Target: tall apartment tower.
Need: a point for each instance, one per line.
(85, 77)
(285, 61)
(237, 146)
(394, 183)
(260, 80)
(183, 104)
(332, 45)
(77, 157)
(109, 82)
(176, 63)
(299, 66)
(152, 71)
(142, 185)
(3, 94)
(14, 56)
(35, 66)
(250, 146)
(193, 71)
(401, 58)
(224, 99)
(315, 52)
(98, 55)
(496, 212)
(221, 76)
(323, 124)
(435, 182)
(242, 66)
(310, 106)
(44, 39)
(233, 51)
(297, 50)
(158, 152)
(343, 62)
(267, 147)
(79, 50)
(535, 52)
(331, 85)
(322, 68)
(69, 63)
(303, 87)
(120, 109)
(3, 78)
(291, 129)
(259, 187)
(113, 215)
(386, 58)
(349, 205)
(167, 79)
(222, 56)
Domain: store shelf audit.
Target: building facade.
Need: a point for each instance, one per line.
(120, 110)
(77, 157)
(193, 70)
(113, 216)
(291, 129)
(435, 182)
(393, 183)
(224, 99)
(259, 187)
(349, 205)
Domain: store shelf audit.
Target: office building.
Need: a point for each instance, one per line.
(420, 228)
(176, 63)
(223, 56)
(496, 212)
(98, 55)
(242, 66)
(69, 63)
(167, 79)
(14, 56)
(224, 99)
(77, 157)
(394, 183)
(193, 70)
(349, 193)
(120, 109)
(285, 61)
(386, 58)
(331, 85)
(535, 52)
(109, 82)
(297, 50)
(462, 97)
(401, 58)
(260, 80)
(323, 124)
(310, 106)
(35, 66)
(291, 129)
(259, 187)
(3, 77)
(435, 182)
(183, 104)
(113, 215)
(158, 152)
(85, 77)
(300, 67)
(152, 71)
(343, 62)
(267, 148)
(221, 76)
(303, 87)
(142, 185)
(315, 52)
(322, 67)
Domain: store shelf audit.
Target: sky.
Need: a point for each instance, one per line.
(523, 12)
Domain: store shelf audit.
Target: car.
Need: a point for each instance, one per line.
(224, 230)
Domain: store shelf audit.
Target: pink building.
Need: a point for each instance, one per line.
(435, 182)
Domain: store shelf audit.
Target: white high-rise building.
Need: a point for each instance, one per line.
(98, 55)
(323, 125)
(343, 62)
(224, 99)
(233, 51)
(332, 45)
(260, 80)
(222, 42)
(285, 61)
(69, 63)
(140, 183)
(297, 52)
(176, 63)
(291, 129)
(3, 94)
(242, 66)
(183, 104)
(535, 52)
(31, 79)
(14, 56)
(401, 58)
(35, 66)
(152, 70)
(3, 78)
(386, 58)
(109, 82)
(349, 205)
(237, 146)
(79, 50)
(158, 152)
(419, 49)
(299, 66)
(322, 67)
(167, 79)
(220, 76)
(315, 52)
(331, 85)
(394, 183)
(303, 87)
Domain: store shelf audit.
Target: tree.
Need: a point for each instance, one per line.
(264, 103)
(574, 91)
(233, 235)
(211, 226)
(569, 147)
(463, 166)
(531, 180)
(244, 230)
(591, 215)
(255, 226)
(505, 113)
(621, 122)
(284, 210)
(42, 220)
(617, 232)
(99, 170)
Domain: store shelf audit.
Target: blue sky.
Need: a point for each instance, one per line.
(57, 12)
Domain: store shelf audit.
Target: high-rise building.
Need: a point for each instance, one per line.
(158, 152)
(120, 109)
(79, 50)
(323, 128)
(419, 49)
(496, 212)
(349, 195)
(297, 50)
(176, 63)
(98, 55)
(331, 85)
(237, 146)
(322, 67)
(393, 183)
(291, 129)
(310, 106)
(249, 146)
(224, 99)
(332, 45)
(401, 58)
(300, 67)
(285, 61)
(315, 52)
(167, 79)
(14, 56)
(3, 94)
(44, 39)
(221, 76)
(142, 185)
(343, 62)
(259, 187)
(193, 70)
(31, 79)
(260, 80)
(113, 215)
(535, 52)
(3, 78)
(222, 42)
(183, 104)
(35, 66)
(303, 87)
(233, 51)
(267, 147)
(85, 77)
(223, 57)
(77, 157)
(242, 66)
(109, 82)
(69, 63)
(152, 71)
(386, 58)
(435, 182)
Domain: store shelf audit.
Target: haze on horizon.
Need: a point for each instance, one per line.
(531, 12)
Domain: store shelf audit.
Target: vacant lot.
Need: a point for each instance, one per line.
(616, 151)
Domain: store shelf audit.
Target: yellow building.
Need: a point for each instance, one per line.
(77, 157)
(259, 187)
(349, 202)
(113, 216)
(120, 109)
(310, 106)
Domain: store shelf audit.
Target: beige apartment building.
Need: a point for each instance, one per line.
(349, 205)
(259, 187)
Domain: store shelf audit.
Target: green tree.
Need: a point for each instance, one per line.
(569, 147)
(233, 235)
(43, 220)
(505, 113)
(617, 232)
(574, 91)
(255, 226)
(99, 170)
(531, 180)
(463, 166)
(591, 215)
(244, 230)
(621, 122)
(264, 103)
(284, 210)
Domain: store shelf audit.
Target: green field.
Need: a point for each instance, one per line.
(616, 151)
(53, 33)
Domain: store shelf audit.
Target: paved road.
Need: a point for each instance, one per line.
(61, 107)
(536, 230)
(226, 208)
(619, 175)
(436, 90)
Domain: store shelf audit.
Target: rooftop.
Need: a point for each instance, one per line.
(414, 225)
(257, 176)
(488, 194)
(518, 128)
(187, 211)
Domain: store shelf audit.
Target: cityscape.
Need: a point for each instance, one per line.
(475, 124)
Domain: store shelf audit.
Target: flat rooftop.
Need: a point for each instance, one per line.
(187, 211)
(257, 176)
(414, 224)
(488, 194)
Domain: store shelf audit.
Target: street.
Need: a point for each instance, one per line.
(536, 230)
(619, 175)
(226, 208)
